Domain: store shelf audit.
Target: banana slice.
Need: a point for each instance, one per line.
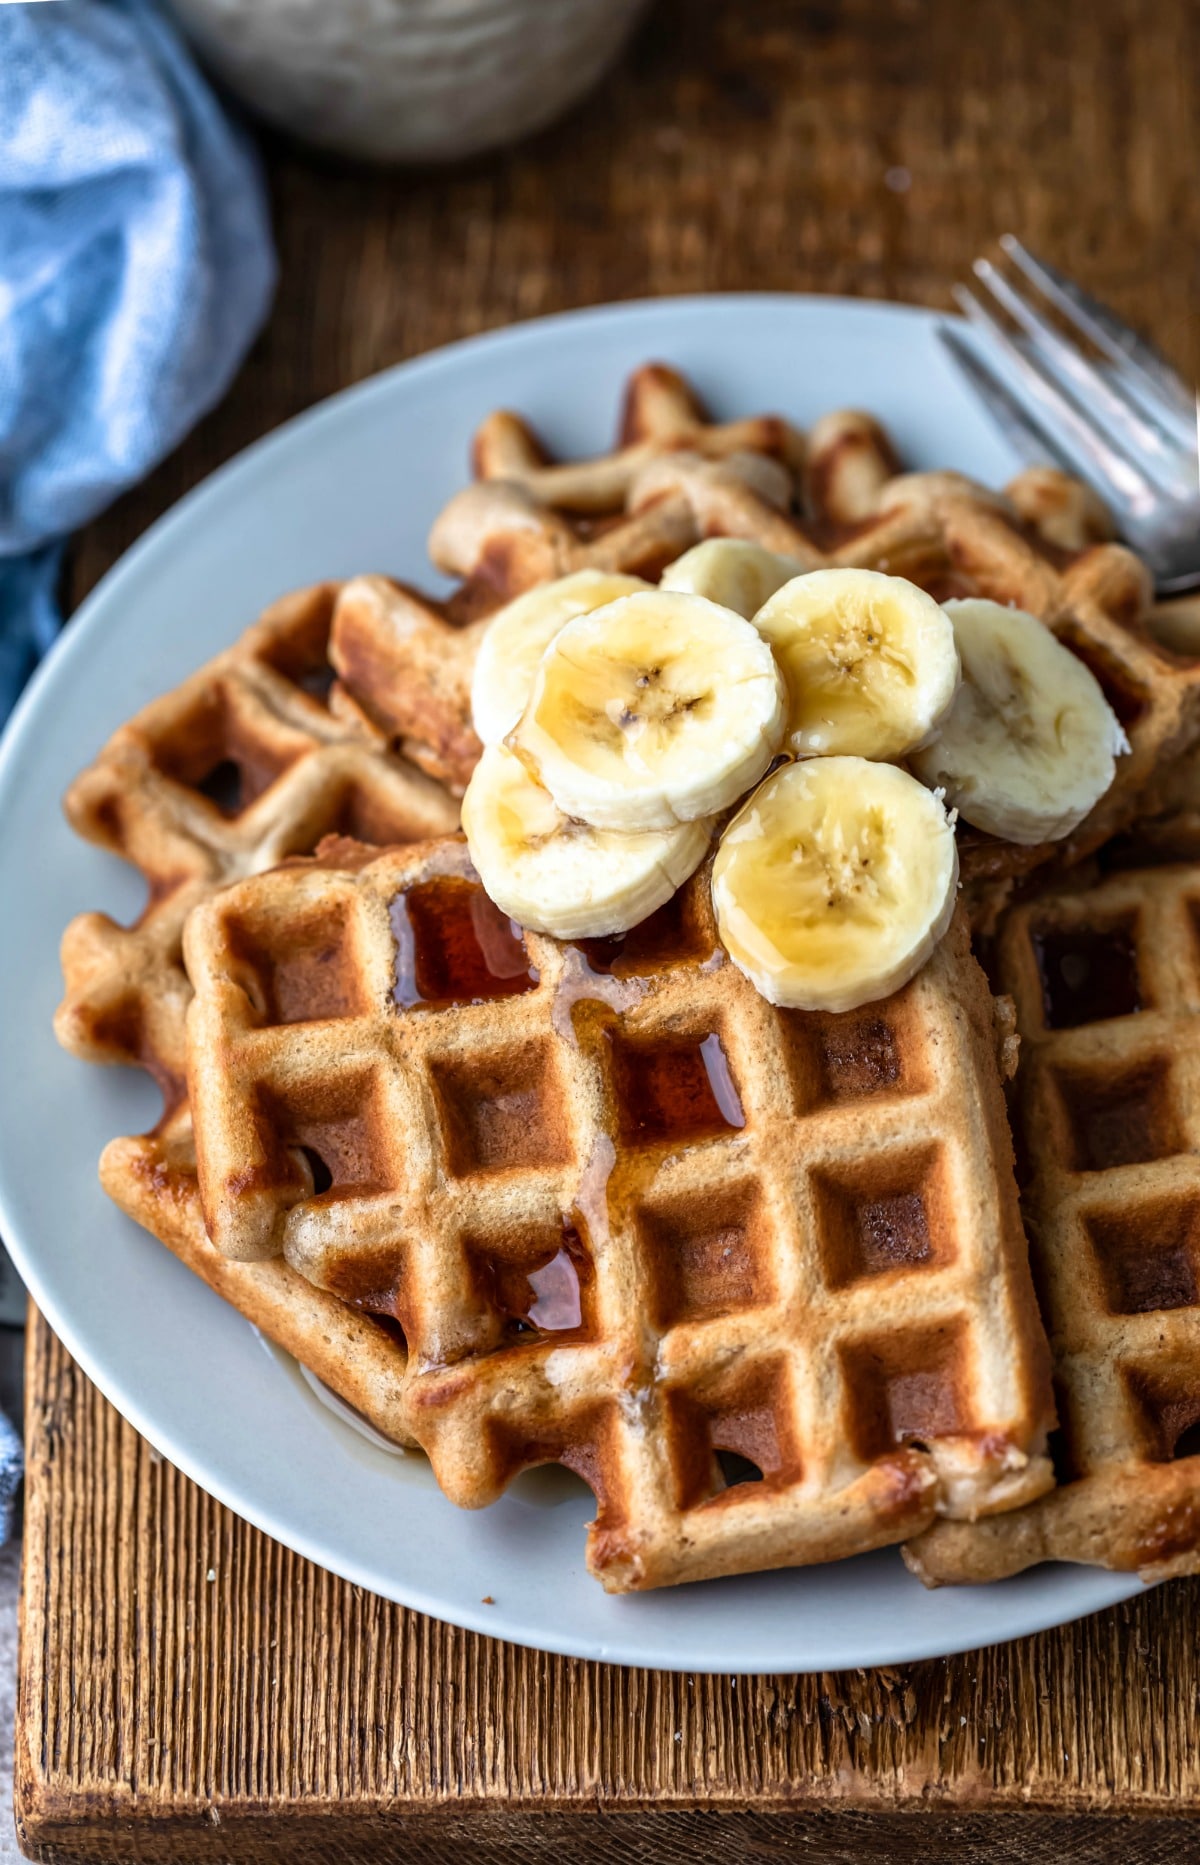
(733, 571)
(834, 882)
(660, 708)
(869, 660)
(561, 877)
(1028, 747)
(519, 634)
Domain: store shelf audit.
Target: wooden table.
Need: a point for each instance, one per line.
(864, 146)
(871, 147)
(189, 1690)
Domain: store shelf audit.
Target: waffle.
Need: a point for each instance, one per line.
(529, 518)
(359, 1356)
(629, 1217)
(1167, 826)
(245, 763)
(1043, 545)
(407, 657)
(1107, 988)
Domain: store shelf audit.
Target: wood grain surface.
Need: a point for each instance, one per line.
(191, 1690)
(870, 147)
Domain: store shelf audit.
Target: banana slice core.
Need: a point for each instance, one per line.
(834, 883)
(1030, 744)
(870, 662)
(519, 634)
(557, 876)
(660, 708)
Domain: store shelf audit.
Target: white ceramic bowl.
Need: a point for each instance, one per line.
(409, 80)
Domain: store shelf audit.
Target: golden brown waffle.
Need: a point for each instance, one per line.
(360, 1356)
(1175, 623)
(1167, 826)
(529, 518)
(1168, 821)
(1107, 988)
(630, 1217)
(409, 671)
(1042, 545)
(245, 763)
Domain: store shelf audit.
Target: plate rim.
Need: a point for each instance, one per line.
(344, 404)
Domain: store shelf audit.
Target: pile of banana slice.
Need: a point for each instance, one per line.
(848, 713)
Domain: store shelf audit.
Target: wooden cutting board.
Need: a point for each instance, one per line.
(269, 1712)
(189, 1690)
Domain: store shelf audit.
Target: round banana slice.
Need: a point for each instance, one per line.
(834, 882)
(561, 877)
(869, 660)
(519, 634)
(660, 708)
(1030, 743)
(733, 571)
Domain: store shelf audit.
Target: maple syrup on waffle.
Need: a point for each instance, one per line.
(454, 946)
(548, 1299)
(1086, 976)
(665, 938)
(679, 1090)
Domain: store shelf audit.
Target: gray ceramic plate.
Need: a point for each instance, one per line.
(353, 486)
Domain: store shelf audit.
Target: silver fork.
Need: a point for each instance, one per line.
(1124, 422)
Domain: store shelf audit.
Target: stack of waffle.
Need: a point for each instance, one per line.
(759, 1276)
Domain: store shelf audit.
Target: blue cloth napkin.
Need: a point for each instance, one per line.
(12, 1469)
(136, 266)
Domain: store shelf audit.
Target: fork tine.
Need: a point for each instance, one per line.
(1146, 444)
(1133, 355)
(1121, 483)
(1027, 439)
